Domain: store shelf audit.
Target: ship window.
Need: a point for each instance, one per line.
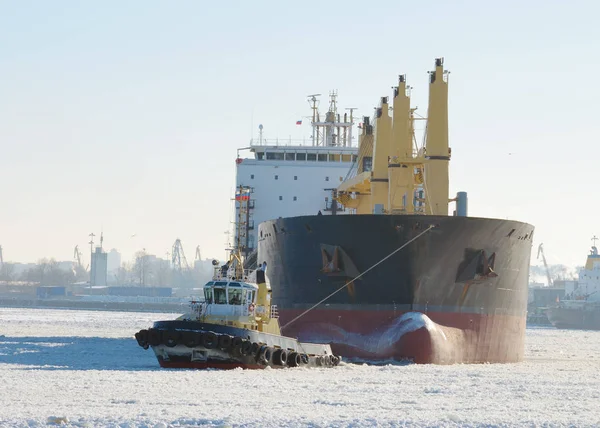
(367, 163)
(322, 157)
(290, 156)
(326, 199)
(235, 296)
(311, 157)
(251, 176)
(300, 156)
(208, 295)
(326, 178)
(334, 158)
(295, 198)
(278, 156)
(295, 177)
(346, 158)
(270, 156)
(220, 296)
(354, 158)
(260, 156)
(276, 177)
(281, 198)
(244, 296)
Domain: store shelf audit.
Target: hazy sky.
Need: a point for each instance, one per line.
(126, 116)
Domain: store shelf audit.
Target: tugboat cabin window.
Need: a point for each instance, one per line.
(220, 296)
(208, 295)
(235, 293)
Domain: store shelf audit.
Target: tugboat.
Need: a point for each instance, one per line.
(235, 326)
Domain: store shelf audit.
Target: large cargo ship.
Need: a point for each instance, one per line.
(398, 278)
(580, 309)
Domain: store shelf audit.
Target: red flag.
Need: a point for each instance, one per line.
(298, 122)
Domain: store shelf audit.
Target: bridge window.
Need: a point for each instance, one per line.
(251, 176)
(311, 156)
(326, 178)
(276, 177)
(300, 156)
(290, 156)
(295, 198)
(295, 177)
(235, 296)
(220, 296)
(281, 198)
(322, 157)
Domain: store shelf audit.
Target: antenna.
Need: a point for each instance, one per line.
(314, 105)
(594, 239)
(348, 143)
(91, 235)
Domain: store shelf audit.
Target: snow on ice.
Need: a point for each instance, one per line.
(85, 369)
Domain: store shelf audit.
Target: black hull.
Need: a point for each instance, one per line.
(466, 277)
(190, 344)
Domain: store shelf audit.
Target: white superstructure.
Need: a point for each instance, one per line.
(291, 179)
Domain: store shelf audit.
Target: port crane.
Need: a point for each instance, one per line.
(178, 257)
(541, 252)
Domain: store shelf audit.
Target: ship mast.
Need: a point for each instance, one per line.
(333, 130)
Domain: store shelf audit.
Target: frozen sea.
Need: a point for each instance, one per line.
(85, 369)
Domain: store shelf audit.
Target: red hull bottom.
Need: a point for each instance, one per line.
(432, 338)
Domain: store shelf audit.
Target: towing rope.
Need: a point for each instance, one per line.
(355, 278)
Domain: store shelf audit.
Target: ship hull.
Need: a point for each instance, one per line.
(574, 318)
(457, 293)
(198, 345)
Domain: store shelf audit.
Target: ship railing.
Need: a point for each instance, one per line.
(274, 311)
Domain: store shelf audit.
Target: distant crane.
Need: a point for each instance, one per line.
(178, 257)
(541, 251)
(77, 256)
(198, 253)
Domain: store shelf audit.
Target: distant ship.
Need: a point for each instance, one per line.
(395, 277)
(580, 309)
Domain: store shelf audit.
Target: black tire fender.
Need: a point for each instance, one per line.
(280, 357)
(142, 338)
(209, 340)
(246, 347)
(171, 338)
(294, 359)
(225, 342)
(189, 339)
(154, 337)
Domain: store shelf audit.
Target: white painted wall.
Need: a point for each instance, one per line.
(289, 188)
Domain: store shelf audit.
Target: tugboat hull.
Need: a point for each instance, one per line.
(456, 294)
(197, 345)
